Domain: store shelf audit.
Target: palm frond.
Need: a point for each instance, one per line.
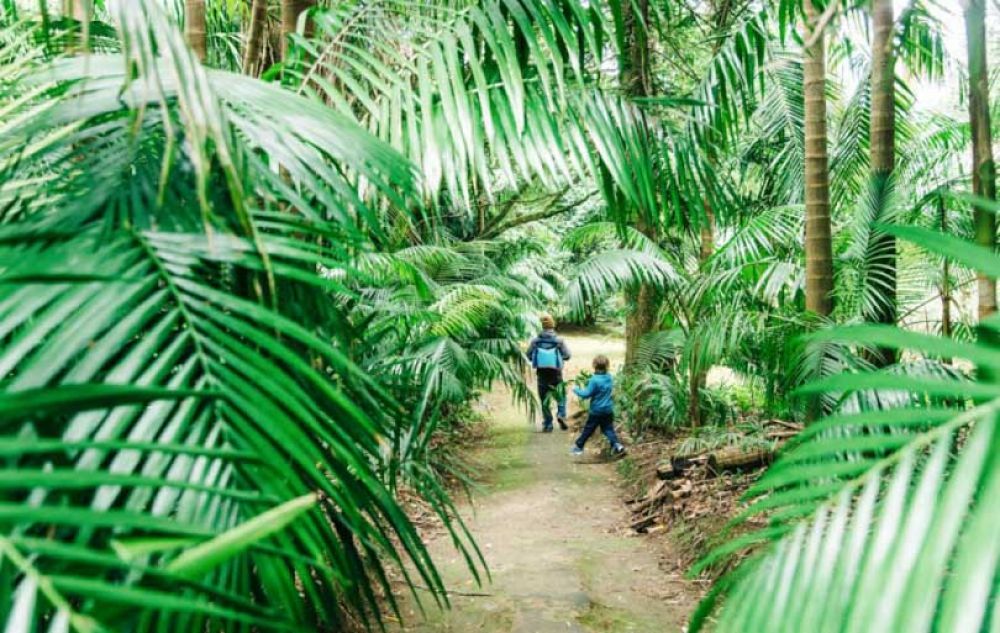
(615, 270)
(883, 512)
(196, 375)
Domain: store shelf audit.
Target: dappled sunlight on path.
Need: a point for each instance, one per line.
(549, 528)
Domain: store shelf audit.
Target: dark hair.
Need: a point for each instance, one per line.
(601, 364)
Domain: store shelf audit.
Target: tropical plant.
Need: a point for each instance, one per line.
(189, 441)
(887, 513)
(983, 167)
(882, 145)
(236, 314)
(819, 247)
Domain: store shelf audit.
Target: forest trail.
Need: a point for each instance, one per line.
(550, 529)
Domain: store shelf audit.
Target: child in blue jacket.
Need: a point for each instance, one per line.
(602, 408)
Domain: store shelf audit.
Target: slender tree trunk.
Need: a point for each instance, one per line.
(946, 297)
(635, 80)
(255, 38)
(82, 11)
(818, 243)
(883, 116)
(983, 167)
(482, 203)
(707, 235)
(290, 12)
(699, 374)
(722, 13)
(634, 74)
(195, 29)
(883, 150)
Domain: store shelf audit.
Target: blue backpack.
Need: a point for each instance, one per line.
(548, 357)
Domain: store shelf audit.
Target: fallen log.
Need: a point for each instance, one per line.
(677, 467)
(738, 458)
(792, 426)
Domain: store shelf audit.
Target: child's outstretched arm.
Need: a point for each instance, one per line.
(586, 392)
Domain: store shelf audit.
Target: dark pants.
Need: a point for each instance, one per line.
(604, 420)
(548, 390)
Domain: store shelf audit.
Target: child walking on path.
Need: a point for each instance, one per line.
(548, 353)
(602, 408)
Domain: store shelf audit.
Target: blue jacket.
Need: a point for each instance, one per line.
(599, 391)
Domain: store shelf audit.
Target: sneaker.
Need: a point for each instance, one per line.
(546, 429)
(562, 424)
(618, 450)
(576, 451)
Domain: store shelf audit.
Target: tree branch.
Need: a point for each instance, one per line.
(508, 206)
(549, 211)
(821, 24)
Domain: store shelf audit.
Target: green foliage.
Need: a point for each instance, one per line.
(887, 511)
(176, 372)
(713, 437)
(236, 316)
(488, 97)
(661, 403)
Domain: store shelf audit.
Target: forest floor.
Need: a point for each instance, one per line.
(553, 531)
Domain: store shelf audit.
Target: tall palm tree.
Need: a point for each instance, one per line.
(635, 78)
(724, 13)
(882, 148)
(983, 167)
(818, 240)
(196, 28)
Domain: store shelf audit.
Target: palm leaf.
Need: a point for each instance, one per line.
(147, 312)
(882, 513)
(615, 270)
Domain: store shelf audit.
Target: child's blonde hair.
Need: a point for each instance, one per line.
(601, 364)
(548, 322)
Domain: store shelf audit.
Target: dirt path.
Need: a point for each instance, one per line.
(549, 527)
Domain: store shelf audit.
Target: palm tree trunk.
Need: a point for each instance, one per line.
(195, 29)
(818, 243)
(983, 167)
(883, 115)
(883, 151)
(255, 37)
(946, 293)
(82, 11)
(699, 374)
(635, 79)
(640, 321)
(290, 12)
